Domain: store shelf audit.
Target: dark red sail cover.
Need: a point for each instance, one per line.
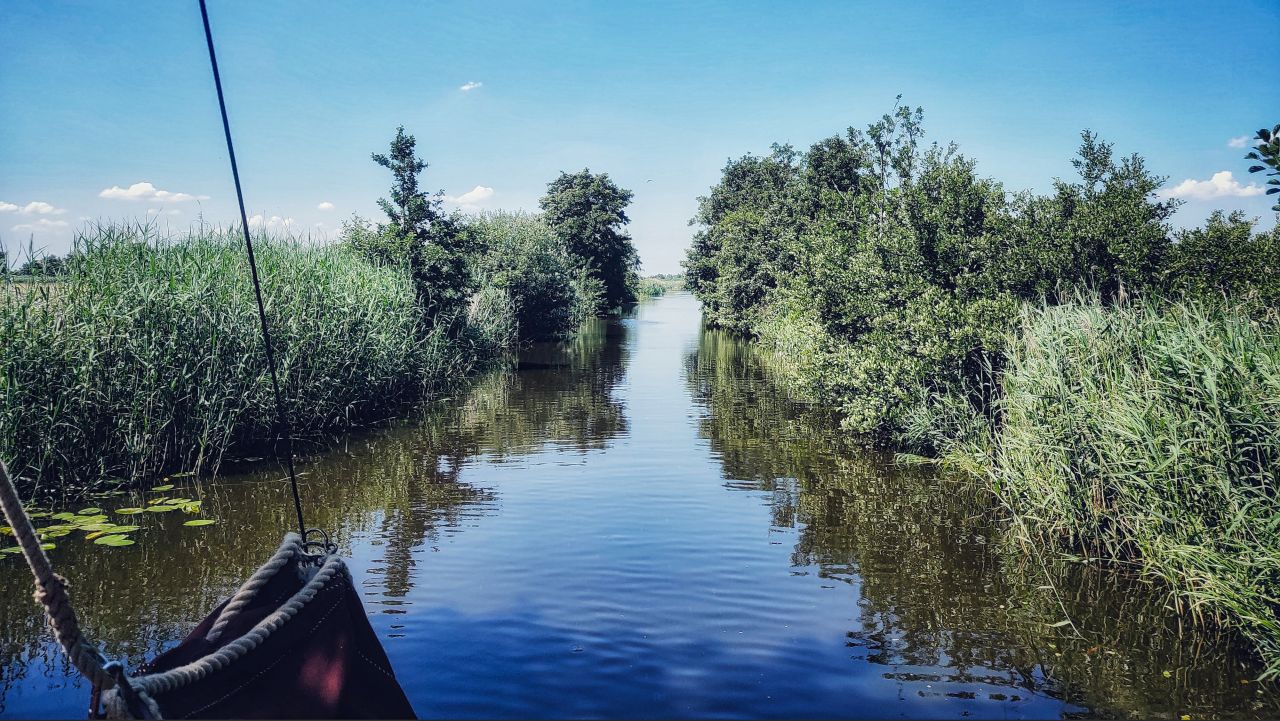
(325, 662)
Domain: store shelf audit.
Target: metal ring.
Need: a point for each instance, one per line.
(325, 545)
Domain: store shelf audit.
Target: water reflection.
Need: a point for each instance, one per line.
(638, 523)
(945, 605)
(393, 490)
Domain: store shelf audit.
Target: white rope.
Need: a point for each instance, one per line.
(176, 678)
(51, 589)
(51, 592)
(289, 549)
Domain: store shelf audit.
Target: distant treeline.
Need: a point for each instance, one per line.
(1115, 380)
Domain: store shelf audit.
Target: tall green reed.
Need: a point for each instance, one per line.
(1149, 434)
(147, 358)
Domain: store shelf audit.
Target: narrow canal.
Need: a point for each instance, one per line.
(637, 523)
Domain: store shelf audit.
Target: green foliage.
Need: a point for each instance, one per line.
(147, 356)
(530, 266)
(50, 266)
(1151, 432)
(420, 236)
(1267, 151)
(1226, 258)
(911, 266)
(891, 281)
(588, 212)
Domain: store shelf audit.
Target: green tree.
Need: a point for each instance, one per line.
(419, 235)
(588, 212)
(1267, 151)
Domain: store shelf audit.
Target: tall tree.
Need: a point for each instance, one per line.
(420, 235)
(588, 212)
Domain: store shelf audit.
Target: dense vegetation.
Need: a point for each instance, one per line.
(1112, 377)
(588, 212)
(138, 355)
(146, 357)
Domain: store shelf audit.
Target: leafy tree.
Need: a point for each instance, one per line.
(588, 212)
(48, 266)
(1267, 151)
(419, 235)
(528, 262)
(1226, 258)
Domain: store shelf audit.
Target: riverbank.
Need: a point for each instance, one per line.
(639, 517)
(1109, 378)
(145, 358)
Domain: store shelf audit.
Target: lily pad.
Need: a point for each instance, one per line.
(54, 533)
(161, 508)
(156, 501)
(128, 511)
(200, 522)
(165, 487)
(11, 549)
(97, 527)
(48, 546)
(64, 516)
(6, 530)
(90, 511)
(114, 540)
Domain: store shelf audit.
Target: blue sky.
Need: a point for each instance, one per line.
(96, 96)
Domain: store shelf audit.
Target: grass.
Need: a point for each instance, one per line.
(1144, 435)
(147, 358)
(1148, 435)
(658, 285)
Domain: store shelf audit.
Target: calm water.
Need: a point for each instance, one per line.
(637, 523)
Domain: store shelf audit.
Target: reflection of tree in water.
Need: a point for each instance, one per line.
(944, 598)
(399, 486)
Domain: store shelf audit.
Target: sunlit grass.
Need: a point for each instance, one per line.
(147, 357)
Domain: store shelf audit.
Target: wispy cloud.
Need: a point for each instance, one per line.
(468, 87)
(471, 198)
(1240, 142)
(41, 224)
(35, 207)
(147, 191)
(1221, 185)
(326, 205)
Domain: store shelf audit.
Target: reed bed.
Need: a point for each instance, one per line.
(1148, 434)
(146, 357)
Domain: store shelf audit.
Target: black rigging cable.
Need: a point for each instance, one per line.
(282, 417)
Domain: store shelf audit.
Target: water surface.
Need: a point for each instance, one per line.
(638, 523)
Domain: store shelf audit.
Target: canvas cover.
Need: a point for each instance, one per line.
(324, 662)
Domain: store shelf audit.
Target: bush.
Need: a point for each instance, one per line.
(526, 262)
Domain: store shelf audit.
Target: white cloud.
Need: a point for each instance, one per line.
(148, 192)
(1240, 142)
(41, 224)
(35, 207)
(473, 197)
(326, 205)
(274, 222)
(1221, 185)
(468, 87)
